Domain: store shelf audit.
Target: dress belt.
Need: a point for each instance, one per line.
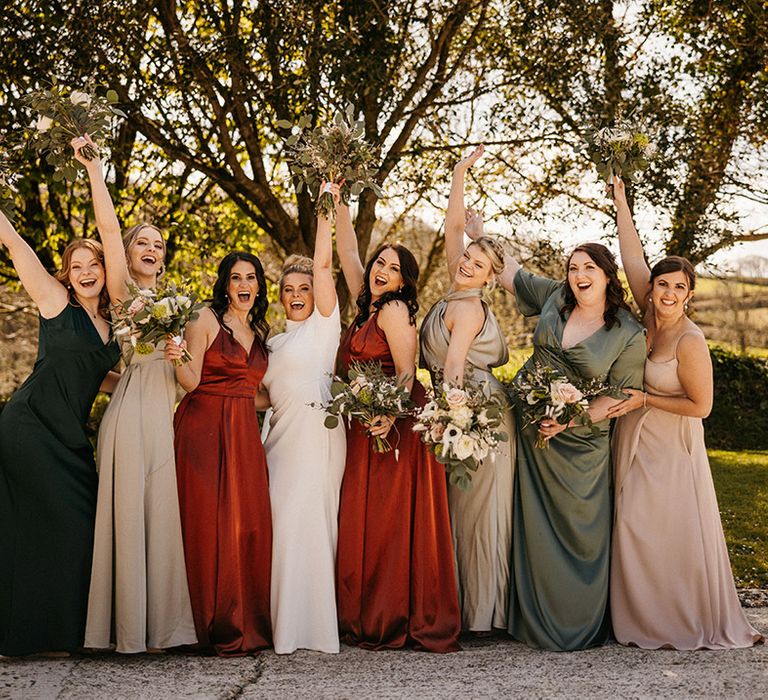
(250, 394)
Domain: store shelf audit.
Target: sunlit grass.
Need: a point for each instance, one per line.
(741, 482)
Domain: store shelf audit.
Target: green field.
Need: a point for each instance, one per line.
(741, 482)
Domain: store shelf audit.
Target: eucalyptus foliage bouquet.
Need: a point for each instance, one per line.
(149, 316)
(545, 392)
(332, 153)
(461, 426)
(64, 114)
(366, 393)
(624, 149)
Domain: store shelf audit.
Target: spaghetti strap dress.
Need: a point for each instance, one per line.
(226, 520)
(395, 575)
(48, 488)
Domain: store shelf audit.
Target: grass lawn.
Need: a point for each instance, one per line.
(741, 482)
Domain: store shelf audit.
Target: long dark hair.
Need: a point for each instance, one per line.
(257, 316)
(409, 270)
(615, 294)
(62, 274)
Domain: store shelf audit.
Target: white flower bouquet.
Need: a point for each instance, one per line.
(151, 316)
(624, 149)
(368, 392)
(547, 393)
(334, 153)
(64, 114)
(461, 426)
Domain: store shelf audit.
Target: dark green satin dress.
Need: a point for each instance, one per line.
(562, 510)
(48, 489)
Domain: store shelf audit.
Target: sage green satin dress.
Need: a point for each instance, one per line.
(481, 518)
(562, 510)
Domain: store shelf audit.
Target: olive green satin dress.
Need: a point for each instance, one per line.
(481, 518)
(563, 494)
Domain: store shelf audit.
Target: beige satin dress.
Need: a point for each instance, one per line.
(671, 581)
(481, 518)
(139, 597)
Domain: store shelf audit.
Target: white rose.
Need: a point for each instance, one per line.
(463, 447)
(482, 418)
(80, 98)
(184, 302)
(456, 397)
(461, 416)
(43, 124)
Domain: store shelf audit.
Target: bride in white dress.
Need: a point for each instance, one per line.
(305, 459)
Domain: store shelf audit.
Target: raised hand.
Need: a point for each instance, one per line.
(334, 189)
(473, 223)
(78, 143)
(616, 190)
(466, 163)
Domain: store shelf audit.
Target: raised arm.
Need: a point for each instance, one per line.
(49, 295)
(630, 247)
(349, 256)
(455, 219)
(106, 223)
(323, 284)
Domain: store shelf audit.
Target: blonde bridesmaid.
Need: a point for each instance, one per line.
(139, 598)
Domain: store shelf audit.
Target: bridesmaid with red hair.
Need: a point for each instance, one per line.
(396, 583)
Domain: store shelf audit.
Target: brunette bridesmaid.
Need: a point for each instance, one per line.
(671, 580)
(220, 464)
(395, 573)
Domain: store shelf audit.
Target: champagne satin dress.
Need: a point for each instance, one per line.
(671, 580)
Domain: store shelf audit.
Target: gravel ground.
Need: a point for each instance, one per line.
(487, 668)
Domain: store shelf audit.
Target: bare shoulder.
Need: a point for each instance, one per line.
(394, 311)
(692, 343)
(206, 320)
(469, 312)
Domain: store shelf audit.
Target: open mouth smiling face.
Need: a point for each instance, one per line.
(147, 251)
(385, 274)
(86, 273)
(243, 287)
(585, 277)
(474, 269)
(297, 296)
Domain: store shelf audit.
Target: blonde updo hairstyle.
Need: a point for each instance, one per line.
(130, 236)
(296, 263)
(494, 250)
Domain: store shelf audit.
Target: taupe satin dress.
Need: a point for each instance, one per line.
(671, 580)
(481, 518)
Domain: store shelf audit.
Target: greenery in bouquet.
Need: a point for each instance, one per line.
(64, 114)
(333, 153)
(367, 393)
(544, 392)
(624, 149)
(150, 316)
(462, 425)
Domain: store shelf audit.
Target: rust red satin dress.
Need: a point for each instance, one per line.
(224, 497)
(396, 580)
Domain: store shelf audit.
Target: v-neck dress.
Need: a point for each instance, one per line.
(48, 489)
(562, 509)
(226, 520)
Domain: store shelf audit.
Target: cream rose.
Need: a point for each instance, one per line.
(80, 98)
(43, 124)
(456, 397)
(564, 393)
(461, 416)
(463, 447)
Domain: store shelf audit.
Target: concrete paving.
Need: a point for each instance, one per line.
(487, 668)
